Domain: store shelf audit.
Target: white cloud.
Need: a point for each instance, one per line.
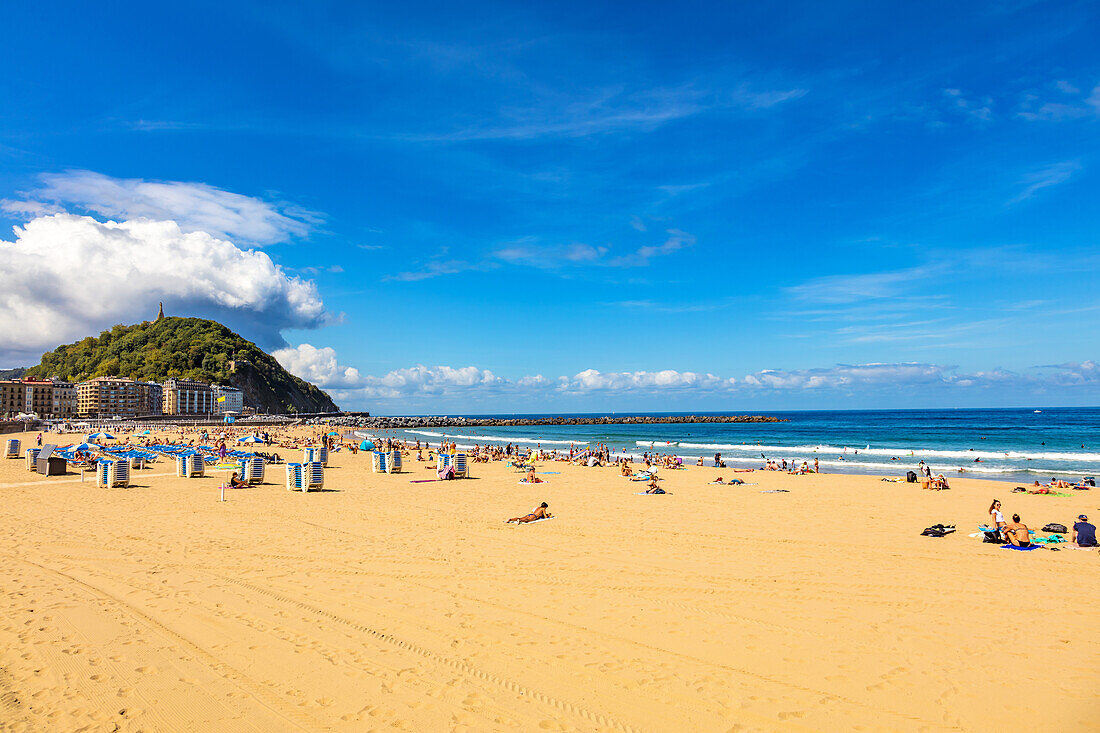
(838, 289)
(527, 252)
(438, 388)
(317, 365)
(194, 206)
(1045, 178)
(68, 276)
(676, 241)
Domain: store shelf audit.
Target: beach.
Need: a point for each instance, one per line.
(382, 604)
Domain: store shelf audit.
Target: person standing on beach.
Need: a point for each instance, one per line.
(817, 469)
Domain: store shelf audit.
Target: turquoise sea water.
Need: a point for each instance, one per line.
(1012, 444)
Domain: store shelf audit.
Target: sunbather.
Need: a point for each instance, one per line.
(1017, 533)
(532, 478)
(537, 513)
(236, 483)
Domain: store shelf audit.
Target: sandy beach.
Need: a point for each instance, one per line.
(382, 604)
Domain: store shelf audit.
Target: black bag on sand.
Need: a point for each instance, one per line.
(910, 477)
(992, 537)
(1055, 528)
(938, 530)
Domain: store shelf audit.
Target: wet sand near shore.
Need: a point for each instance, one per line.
(381, 604)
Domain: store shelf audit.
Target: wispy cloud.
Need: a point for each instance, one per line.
(196, 207)
(529, 252)
(677, 240)
(437, 267)
(976, 109)
(838, 289)
(1045, 178)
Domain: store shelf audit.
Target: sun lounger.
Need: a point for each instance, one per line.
(32, 459)
(295, 477)
(461, 467)
(11, 449)
(313, 475)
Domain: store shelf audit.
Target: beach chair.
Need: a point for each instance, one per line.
(322, 456)
(442, 461)
(196, 466)
(314, 475)
(294, 477)
(460, 465)
(395, 462)
(181, 466)
(103, 474)
(252, 470)
(32, 459)
(380, 462)
(12, 448)
(119, 472)
(309, 455)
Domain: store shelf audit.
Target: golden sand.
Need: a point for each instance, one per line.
(381, 604)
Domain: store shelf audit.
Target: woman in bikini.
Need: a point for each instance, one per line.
(538, 513)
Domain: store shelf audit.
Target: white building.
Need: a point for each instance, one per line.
(227, 399)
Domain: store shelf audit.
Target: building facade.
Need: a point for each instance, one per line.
(227, 399)
(187, 397)
(150, 398)
(107, 397)
(47, 398)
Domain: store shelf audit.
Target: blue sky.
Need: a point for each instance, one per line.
(587, 207)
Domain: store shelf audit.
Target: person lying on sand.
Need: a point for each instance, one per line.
(1017, 533)
(538, 513)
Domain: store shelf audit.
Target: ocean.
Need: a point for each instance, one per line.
(1011, 444)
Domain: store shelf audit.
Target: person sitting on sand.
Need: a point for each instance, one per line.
(997, 517)
(531, 477)
(625, 470)
(940, 483)
(1017, 533)
(236, 483)
(538, 513)
(1084, 533)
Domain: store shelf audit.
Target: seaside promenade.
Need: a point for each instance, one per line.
(382, 604)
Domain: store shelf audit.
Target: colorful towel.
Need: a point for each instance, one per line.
(1021, 549)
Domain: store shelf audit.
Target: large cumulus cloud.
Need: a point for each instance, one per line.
(66, 276)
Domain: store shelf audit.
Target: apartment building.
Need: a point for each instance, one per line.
(227, 399)
(187, 397)
(47, 398)
(107, 397)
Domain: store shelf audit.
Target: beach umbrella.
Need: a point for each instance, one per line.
(101, 436)
(86, 446)
(333, 433)
(366, 445)
(249, 439)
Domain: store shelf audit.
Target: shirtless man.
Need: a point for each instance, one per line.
(236, 482)
(532, 478)
(1017, 533)
(538, 513)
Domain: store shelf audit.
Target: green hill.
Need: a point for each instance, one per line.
(191, 348)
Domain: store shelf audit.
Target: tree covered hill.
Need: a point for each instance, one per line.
(190, 348)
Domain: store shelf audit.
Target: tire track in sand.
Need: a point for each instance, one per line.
(456, 664)
(224, 670)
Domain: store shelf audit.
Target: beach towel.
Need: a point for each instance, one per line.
(525, 481)
(775, 491)
(646, 493)
(1021, 549)
(536, 521)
